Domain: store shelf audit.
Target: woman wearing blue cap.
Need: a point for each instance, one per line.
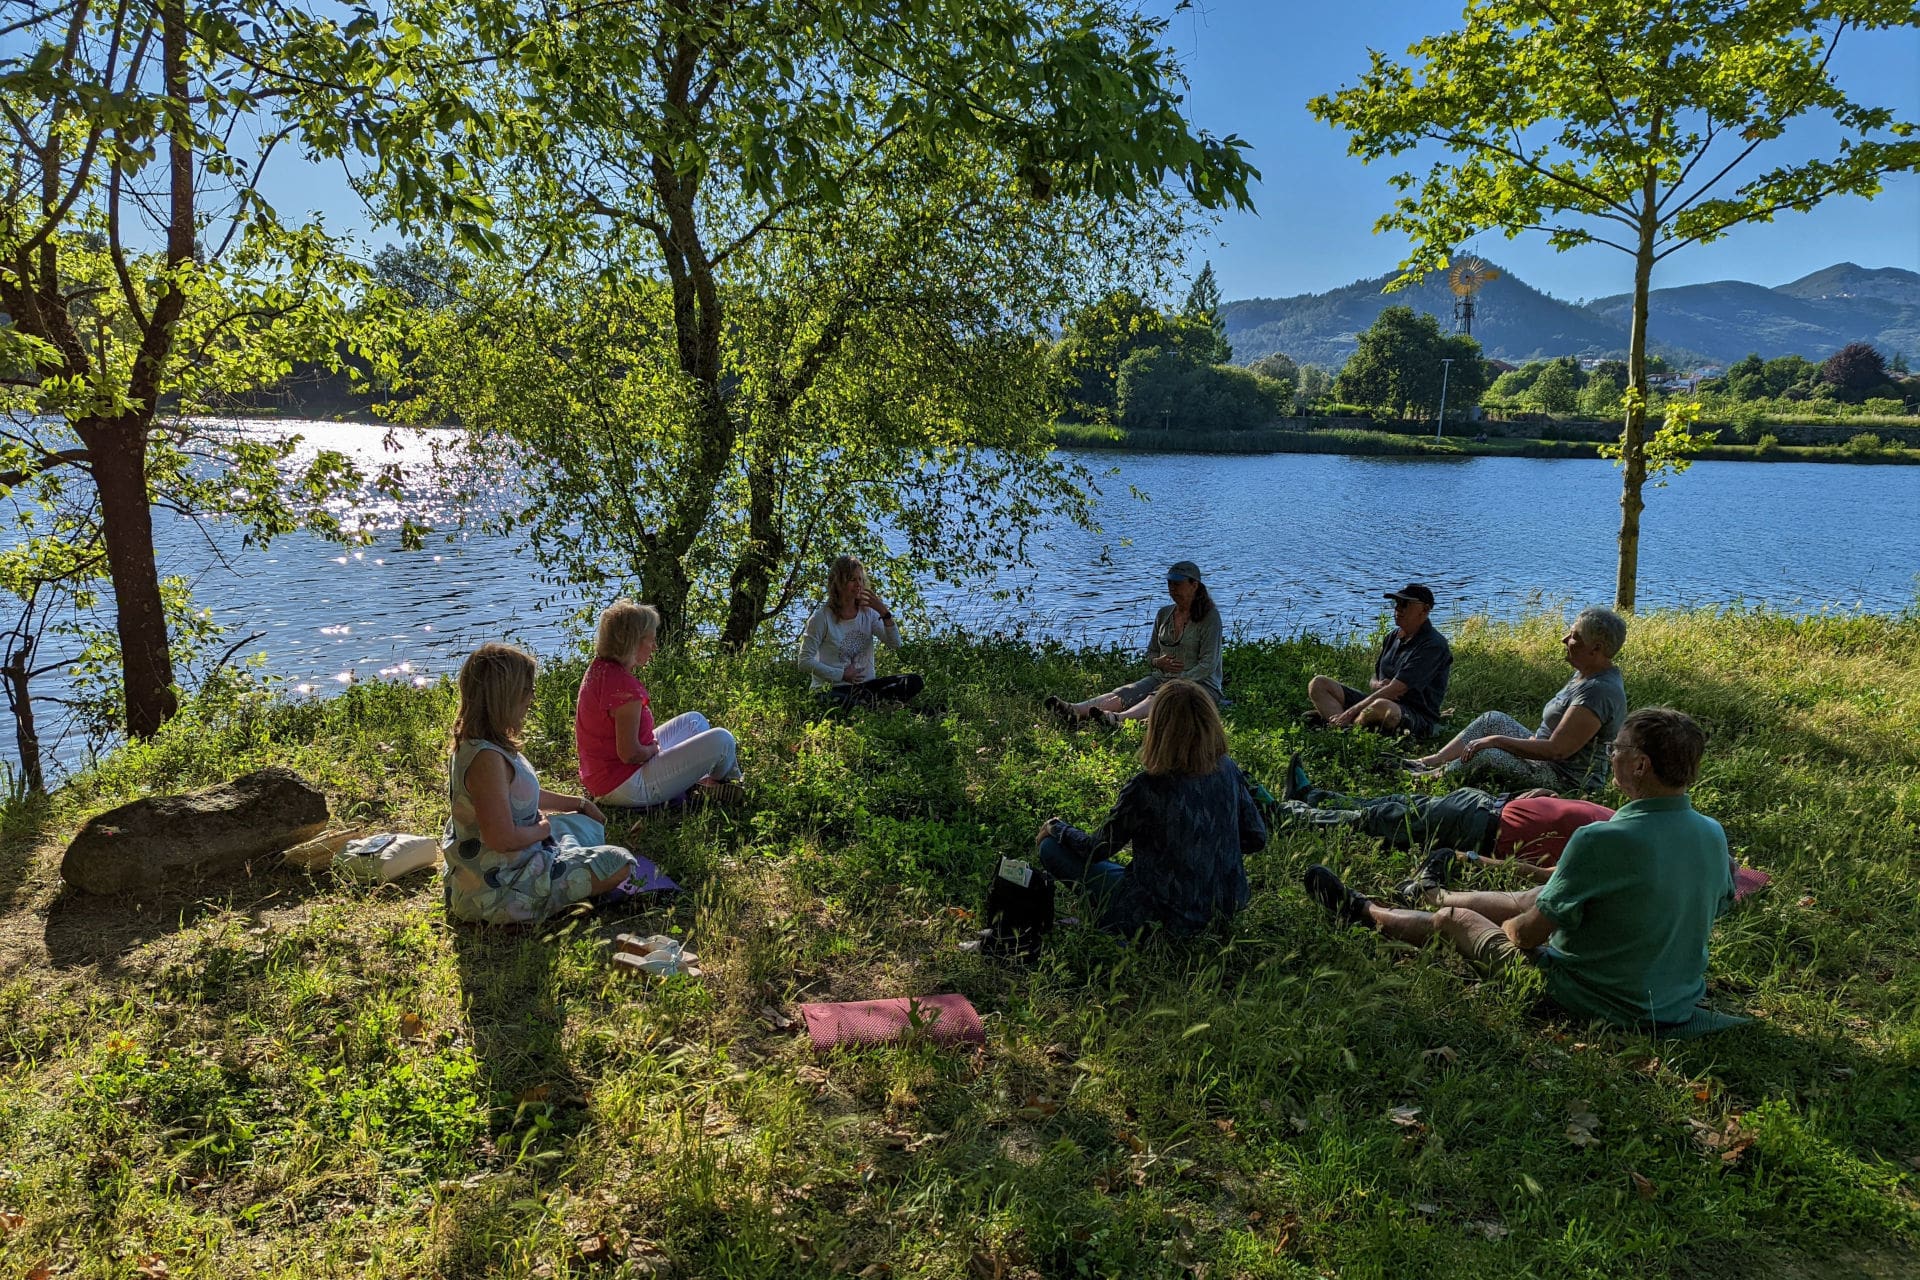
(1184, 645)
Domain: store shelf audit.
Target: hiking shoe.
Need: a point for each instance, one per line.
(1346, 905)
(1313, 720)
(1432, 875)
(1297, 784)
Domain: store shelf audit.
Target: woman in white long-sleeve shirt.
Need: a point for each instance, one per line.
(837, 647)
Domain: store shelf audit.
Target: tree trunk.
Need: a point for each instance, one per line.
(752, 577)
(1633, 439)
(26, 735)
(119, 453)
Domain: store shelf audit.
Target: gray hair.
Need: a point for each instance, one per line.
(1604, 629)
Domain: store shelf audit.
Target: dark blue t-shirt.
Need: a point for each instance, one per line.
(1423, 662)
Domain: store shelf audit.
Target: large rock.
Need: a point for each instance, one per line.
(162, 841)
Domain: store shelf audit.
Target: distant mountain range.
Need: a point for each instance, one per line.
(1691, 325)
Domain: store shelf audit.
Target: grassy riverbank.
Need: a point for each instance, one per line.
(282, 1077)
(1350, 440)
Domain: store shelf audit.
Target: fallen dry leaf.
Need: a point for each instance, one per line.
(43, 1271)
(1446, 1053)
(1038, 1107)
(775, 1019)
(1806, 900)
(1125, 1138)
(1702, 1092)
(1059, 1052)
(11, 1222)
(150, 1267)
(411, 1026)
(1642, 1185)
(1225, 1125)
(1726, 1143)
(593, 1248)
(1405, 1117)
(533, 1093)
(986, 1265)
(1491, 1230)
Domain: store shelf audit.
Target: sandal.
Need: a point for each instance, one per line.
(1062, 708)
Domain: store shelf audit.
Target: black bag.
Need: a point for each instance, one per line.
(1019, 910)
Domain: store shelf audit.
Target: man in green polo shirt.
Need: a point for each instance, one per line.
(1621, 928)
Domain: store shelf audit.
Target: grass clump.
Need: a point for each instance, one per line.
(284, 1077)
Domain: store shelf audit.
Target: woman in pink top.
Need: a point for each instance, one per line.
(624, 759)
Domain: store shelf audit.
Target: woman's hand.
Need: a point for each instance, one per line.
(850, 674)
(870, 599)
(648, 750)
(592, 810)
(1478, 745)
(1050, 829)
(1167, 662)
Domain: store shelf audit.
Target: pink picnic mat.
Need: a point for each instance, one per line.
(944, 1019)
(1748, 881)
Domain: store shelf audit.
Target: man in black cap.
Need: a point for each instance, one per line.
(1409, 679)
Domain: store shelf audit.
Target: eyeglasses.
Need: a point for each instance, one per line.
(1615, 747)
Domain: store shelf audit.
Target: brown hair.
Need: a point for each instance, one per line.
(1184, 735)
(839, 578)
(1671, 741)
(623, 625)
(495, 682)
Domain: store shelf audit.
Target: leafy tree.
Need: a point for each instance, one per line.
(765, 127)
(1097, 341)
(1396, 365)
(958, 171)
(1557, 389)
(1277, 368)
(1600, 395)
(1168, 388)
(1515, 383)
(1632, 125)
(1202, 308)
(1854, 370)
(1316, 384)
(140, 265)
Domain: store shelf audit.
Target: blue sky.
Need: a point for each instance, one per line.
(1254, 63)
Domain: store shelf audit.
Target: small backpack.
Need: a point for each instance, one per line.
(1019, 910)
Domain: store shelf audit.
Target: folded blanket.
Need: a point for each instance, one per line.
(948, 1020)
(1747, 881)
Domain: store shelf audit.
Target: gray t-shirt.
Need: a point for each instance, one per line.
(1605, 695)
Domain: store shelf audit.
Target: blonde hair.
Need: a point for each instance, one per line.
(1184, 735)
(840, 577)
(623, 625)
(496, 681)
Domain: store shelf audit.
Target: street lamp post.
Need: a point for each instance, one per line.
(1446, 368)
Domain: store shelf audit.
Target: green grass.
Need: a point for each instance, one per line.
(282, 1077)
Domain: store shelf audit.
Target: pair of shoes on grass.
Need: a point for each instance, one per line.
(1064, 709)
(1350, 906)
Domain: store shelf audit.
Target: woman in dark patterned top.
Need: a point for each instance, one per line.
(1190, 817)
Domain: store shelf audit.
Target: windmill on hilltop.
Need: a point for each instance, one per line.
(1467, 278)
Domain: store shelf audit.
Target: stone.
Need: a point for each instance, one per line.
(164, 842)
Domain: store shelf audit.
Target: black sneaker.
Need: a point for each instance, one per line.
(1345, 905)
(1313, 720)
(1434, 872)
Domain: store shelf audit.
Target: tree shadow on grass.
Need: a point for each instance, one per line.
(93, 929)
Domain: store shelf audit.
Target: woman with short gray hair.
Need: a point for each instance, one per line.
(1569, 749)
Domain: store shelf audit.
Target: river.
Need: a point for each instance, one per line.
(1288, 542)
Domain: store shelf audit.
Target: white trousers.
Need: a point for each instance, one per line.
(689, 751)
